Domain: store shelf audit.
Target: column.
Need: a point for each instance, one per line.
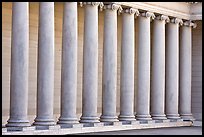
(19, 65)
(127, 66)
(90, 64)
(185, 58)
(69, 65)
(172, 68)
(109, 63)
(143, 84)
(157, 94)
(45, 70)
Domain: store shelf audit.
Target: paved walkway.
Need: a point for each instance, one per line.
(156, 131)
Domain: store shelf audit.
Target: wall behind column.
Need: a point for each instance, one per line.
(33, 41)
(197, 71)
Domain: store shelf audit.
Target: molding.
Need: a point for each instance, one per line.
(196, 17)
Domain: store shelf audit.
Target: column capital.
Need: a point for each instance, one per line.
(189, 23)
(176, 21)
(113, 6)
(148, 14)
(100, 4)
(163, 17)
(131, 11)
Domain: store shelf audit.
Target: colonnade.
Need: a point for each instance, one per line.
(166, 94)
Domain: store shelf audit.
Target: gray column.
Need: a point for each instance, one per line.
(143, 82)
(45, 70)
(69, 65)
(19, 65)
(185, 58)
(157, 94)
(127, 66)
(109, 63)
(90, 64)
(172, 68)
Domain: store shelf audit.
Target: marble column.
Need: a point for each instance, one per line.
(109, 63)
(172, 68)
(143, 84)
(69, 65)
(185, 69)
(157, 95)
(127, 66)
(90, 64)
(19, 65)
(45, 70)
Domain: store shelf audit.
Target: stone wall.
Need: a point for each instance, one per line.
(197, 71)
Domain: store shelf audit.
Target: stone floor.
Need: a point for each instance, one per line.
(178, 127)
(194, 130)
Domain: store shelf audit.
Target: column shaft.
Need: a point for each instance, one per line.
(127, 68)
(69, 65)
(90, 65)
(45, 79)
(143, 86)
(172, 70)
(158, 70)
(185, 54)
(19, 65)
(109, 66)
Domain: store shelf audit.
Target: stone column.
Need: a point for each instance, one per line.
(69, 65)
(127, 66)
(185, 58)
(172, 68)
(157, 94)
(90, 64)
(143, 85)
(45, 79)
(19, 65)
(110, 63)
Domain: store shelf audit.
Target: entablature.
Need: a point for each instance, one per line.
(183, 10)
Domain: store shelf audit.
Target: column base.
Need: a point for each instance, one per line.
(158, 116)
(43, 122)
(187, 117)
(108, 118)
(173, 116)
(85, 119)
(126, 118)
(143, 117)
(67, 120)
(17, 123)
